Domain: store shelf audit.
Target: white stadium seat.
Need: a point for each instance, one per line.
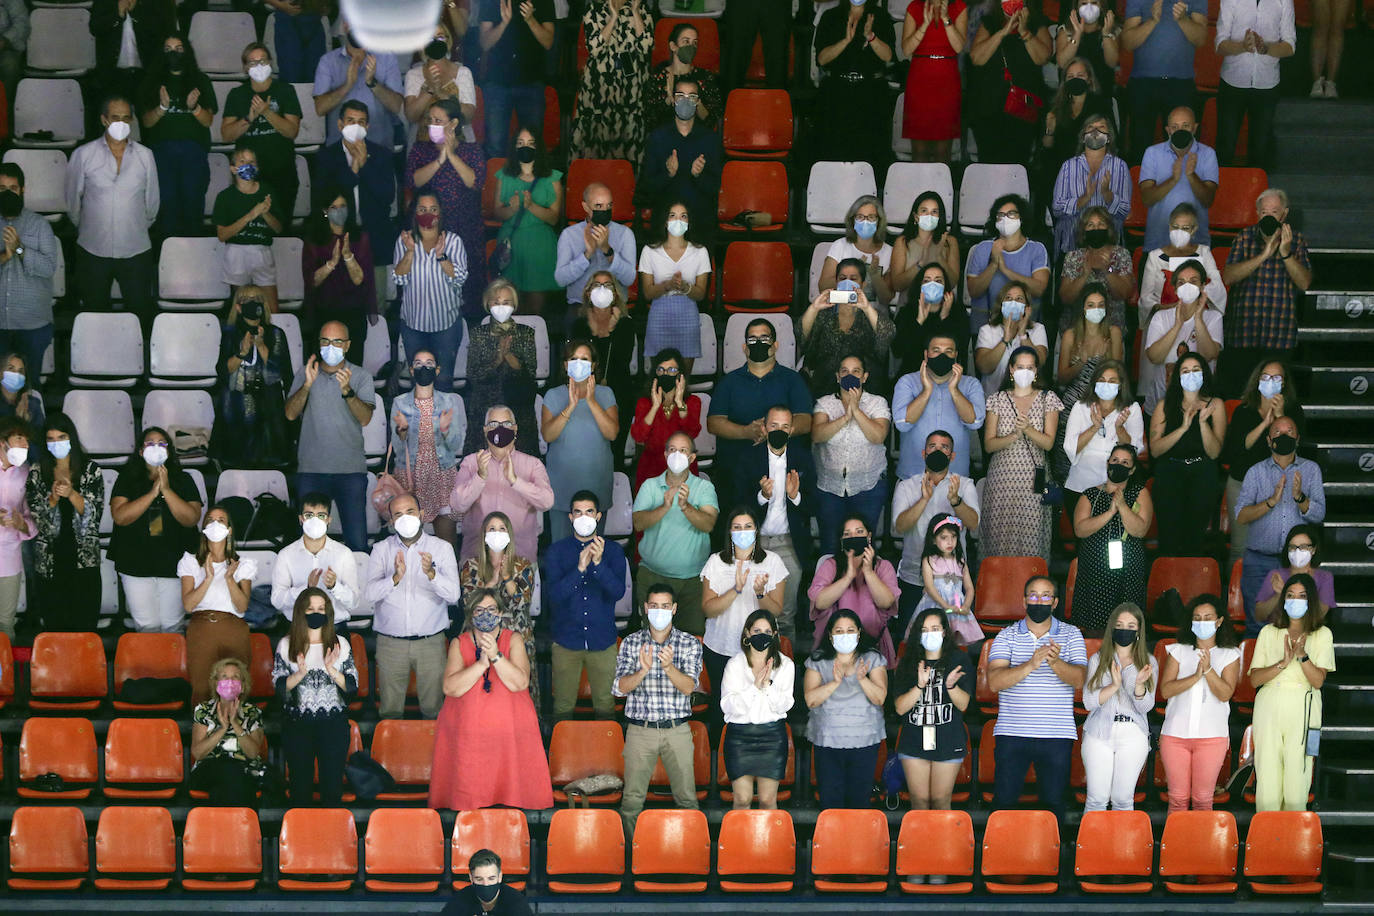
(705, 442)
(377, 348)
(173, 409)
(184, 350)
(218, 38)
(105, 422)
(45, 180)
(733, 356)
(52, 105)
(107, 350)
(619, 518)
(286, 252)
(291, 327)
(830, 191)
(707, 365)
(905, 181)
(248, 484)
(982, 183)
(219, 179)
(222, 89)
(109, 476)
(192, 270)
(312, 133)
(813, 276)
(60, 42)
(300, 207)
(375, 434)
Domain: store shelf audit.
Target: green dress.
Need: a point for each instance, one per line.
(534, 243)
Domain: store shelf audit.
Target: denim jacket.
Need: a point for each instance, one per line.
(449, 448)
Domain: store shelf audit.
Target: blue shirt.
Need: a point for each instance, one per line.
(1041, 706)
(939, 414)
(1269, 532)
(743, 397)
(574, 269)
(1167, 53)
(1025, 261)
(582, 602)
(1158, 166)
(332, 72)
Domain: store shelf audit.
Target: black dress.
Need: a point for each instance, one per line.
(1001, 137)
(854, 89)
(1187, 487)
(1100, 588)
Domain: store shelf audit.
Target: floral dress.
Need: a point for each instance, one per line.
(1075, 265)
(610, 101)
(828, 345)
(517, 594)
(1015, 522)
(461, 207)
(432, 484)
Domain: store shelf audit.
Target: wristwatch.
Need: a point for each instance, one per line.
(19, 250)
(1302, 658)
(347, 394)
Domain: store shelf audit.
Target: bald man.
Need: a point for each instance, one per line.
(334, 400)
(594, 244)
(1182, 169)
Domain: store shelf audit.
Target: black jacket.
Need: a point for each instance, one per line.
(754, 466)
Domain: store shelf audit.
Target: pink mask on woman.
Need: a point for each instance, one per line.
(229, 688)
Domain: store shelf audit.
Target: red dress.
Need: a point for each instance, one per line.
(654, 437)
(933, 90)
(487, 747)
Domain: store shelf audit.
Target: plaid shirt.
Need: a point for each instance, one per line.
(1261, 310)
(656, 698)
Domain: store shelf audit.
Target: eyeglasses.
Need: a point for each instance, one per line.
(666, 370)
(1008, 214)
(763, 340)
(333, 341)
(322, 516)
(1040, 599)
(429, 362)
(693, 96)
(501, 424)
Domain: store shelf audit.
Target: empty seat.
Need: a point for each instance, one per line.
(49, 849)
(49, 114)
(291, 326)
(616, 174)
(579, 749)
(1233, 208)
(756, 851)
(1117, 844)
(758, 124)
(672, 851)
(1018, 848)
(374, 433)
(220, 177)
(1191, 576)
(105, 420)
(67, 672)
(317, 850)
(952, 856)
(171, 407)
(62, 746)
(406, 748)
(6, 670)
(221, 849)
(143, 758)
(192, 269)
(312, 132)
(404, 850)
(286, 252)
(830, 191)
(502, 830)
(735, 339)
(1001, 589)
(107, 350)
(758, 186)
(45, 181)
(218, 37)
(60, 41)
(849, 851)
(184, 350)
(1202, 847)
(135, 849)
(620, 514)
(981, 184)
(757, 277)
(1283, 852)
(251, 484)
(586, 851)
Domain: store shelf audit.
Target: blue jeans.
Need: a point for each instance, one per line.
(1255, 567)
(300, 45)
(183, 174)
(831, 510)
(844, 775)
(30, 344)
(349, 493)
(1014, 755)
(528, 102)
(443, 344)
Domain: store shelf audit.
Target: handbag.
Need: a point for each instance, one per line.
(1021, 104)
(503, 251)
(367, 777)
(1314, 733)
(388, 487)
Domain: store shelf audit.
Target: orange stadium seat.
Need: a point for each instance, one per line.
(355, 642)
(67, 672)
(143, 758)
(951, 857)
(1191, 576)
(580, 748)
(1200, 846)
(135, 849)
(1234, 206)
(758, 124)
(1283, 853)
(404, 850)
(260, 668)
(756, 851)
(221, 849)
(1020, 847)
(616, 174)
(49, 849)
(1114, 844)
(405, 747)
(983, 693)
(586, 851)
(758, 186)
(6, 671)
(161, 655)
(62, 746)
(1001, 589)
(317, 850)
(757, 277)
(671, 851)
(849, 850)
(503, 831)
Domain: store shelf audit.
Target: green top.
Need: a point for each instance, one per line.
(675, 547)
(230, 207)
(177, 122)
(275, 152)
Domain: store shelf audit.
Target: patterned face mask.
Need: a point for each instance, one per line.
(486, 621)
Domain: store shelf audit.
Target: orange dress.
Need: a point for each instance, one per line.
(487, 746)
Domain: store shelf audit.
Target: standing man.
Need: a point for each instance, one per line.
(1182, 169)
(586, 577)
(1163, 36)
(682, 157)
(1034, 666)
(938, 397)
(28, 261)
(596, 244)
(500, 478)
(656, 671)
(112, 197)
(334, 399)
(515, 37)
(412, 578)
(316, 561)
(350, 72)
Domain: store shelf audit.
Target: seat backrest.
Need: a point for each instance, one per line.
(143, 751)
(313, 129)
(60, 39)
(58, 745)
(184, 345)
(620, 514)
(6, 669)
(585, 841)
(221, 841)
(177, 407)
(318, 841)
(1284, 843)
(906, 181)
(192, 269)
(135, 840)
(1001, 586)
(48, 841)
(105, 420)
(149, 655)
(733, 356)
(981, 184)
(671, 842)
(68, 666)
(260, 665)
(830, 190)
(249, 484)
(217, 36)
(757, 120)
(746, 185)
(1021, 843)
(1192, 576)
(502, 830)
(580, 749)
(406, 748)
(756, 843)
(45, 179)
(50, 104)
(1199, 843)
(1114, 843)
(616, 174)
(701, 759)
(850, 843)
(1233, 207)
(107, 344)
(1245, 691)
(404, 841)
(757, 272)
(952, 855)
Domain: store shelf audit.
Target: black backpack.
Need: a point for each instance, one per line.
(266, 518)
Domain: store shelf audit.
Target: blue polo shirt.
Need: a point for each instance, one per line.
(1158, 166)
(1041, 706)
(742, 397)
(582, 602)
(1167, 53)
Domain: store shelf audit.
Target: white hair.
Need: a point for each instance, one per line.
(487, 419)
(1271, 192)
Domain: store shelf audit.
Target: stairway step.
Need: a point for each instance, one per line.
(1340, 410)
(1348, 732)
(1359, 337)
(1304, 113)
(1348, 533)
(1353, 376)
(1334, 454)
(1353, 304)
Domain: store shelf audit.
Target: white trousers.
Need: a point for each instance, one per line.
(154, 603)
(1113, 766)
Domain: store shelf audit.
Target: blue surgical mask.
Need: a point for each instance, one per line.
(579, 370)
(846, 285)
(332, 355)
(13, 381)
(932, 640)
(1013, 310)
(1204, 629)
(743, 539)
(1106, 390)
(845, 642)
(1295, 607)
(933, 291)
(247, 171)
(1190, 381)
(865, 229)
(60, 449)
(1269, 385)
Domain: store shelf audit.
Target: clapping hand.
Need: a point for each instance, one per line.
(427, 564)
(402, 425)
(671, 164)
(793, 484)
(1297, 485)
(646, 657)
(923, 673)
(1179, 10)
(193, 99)
(760, 584)
(1040, 655)
(256, 107)
(955, 375)
(1116, 671)
(487, 643)
(1204, 661)
(331, 658)
(483, 462)
(763, 677)
(952, 678)
(445, 421)
(400, 567)
(698, 165)
(862, 669)
(741, 576)
(313, 580)
(408, 242)
(953, 487)
(164, 97)
(665, 655)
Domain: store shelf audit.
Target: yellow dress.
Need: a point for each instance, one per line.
(1283, 771)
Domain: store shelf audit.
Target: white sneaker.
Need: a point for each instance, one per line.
(939, 879)
(916, 879)
(1318, 89)
(1331, 90)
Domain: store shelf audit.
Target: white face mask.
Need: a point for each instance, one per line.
(1188, 293)
(1095, 316)
(260, 73)
(1180, 238)
(579, 370)
(501, 313)
(1008, 226)
(602, 297)
(845, 643)
(407, 526)
(496, 540)
(353, 132)
(660, 618)
(584, 525)
(216, 532)
(314, 528)
(932, 640)
(1297, 556)
(155, 455)
(119, 131)
(927, 222)
(1023, 377)
(16, 455)
(678, 462)
(1088, 13)
(677, 227)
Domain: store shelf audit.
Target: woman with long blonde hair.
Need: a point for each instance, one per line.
(1119, 694)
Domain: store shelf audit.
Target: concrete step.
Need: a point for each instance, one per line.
(1298, 115)
(1350, 377)
(1344, 533)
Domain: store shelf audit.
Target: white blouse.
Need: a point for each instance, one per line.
(1089, 465)
(216, 597)
(657, 263)
(848, 463)
(988, 337)
(742, 702)
(1160, 326)
(1196, 712)
(723, 632)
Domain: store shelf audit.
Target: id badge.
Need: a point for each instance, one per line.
(155, 525)
(1115, 558)
(928, 738)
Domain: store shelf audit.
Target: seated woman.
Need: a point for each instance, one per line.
(428, 428)
(668, 408)
(227, 738)
(1118, 695)
(926, 238)
(255, 373)
(844, 687)
(511, 577)
(1185, 440)
(1269, 394)
(1293, 656)
(215, 586)
(610, 331)
(1009, 328)
(529, 204)
(1099, 258)
(864, 239)
(337, 265)
(1201, 670)
(1102, 419)
(755, 695)
(501, 368)
(1111, 520)
(1184, 322)
(581, 420)
(849, 435)
(487, 747)
(1302, 550)
(932, 308)
(830, 332)
(856, 578)
(65, 495)
(1097, 176)
(315, 676)
(674, 272)
(18, 395)
(1156, 276)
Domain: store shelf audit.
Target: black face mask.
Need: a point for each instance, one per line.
(940, 365)
(1123, 637)
(486, 892)
(500, 437)
(424, 375)
(777, 439)
(1118, 473)
(1269, 225)
(11, 203)
(1285, 445)
(251, 309)
(1076, 86)
(174, 59)
(1039, 613)
(666, 383)
(1181, 139)
(526, 154)
(436, 49)
(1096, 238)
(601, 217)
(936, 461)
(761, 642)
(758, 352)
(315, 620)
(857, 544)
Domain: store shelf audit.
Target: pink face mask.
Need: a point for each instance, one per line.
(229, 688)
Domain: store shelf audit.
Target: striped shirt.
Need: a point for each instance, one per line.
(1070, 185)
(431, 300)
(657, 697)
(1041, 706)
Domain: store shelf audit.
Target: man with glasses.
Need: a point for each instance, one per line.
(682, 157)
(675, 512)
(334, 400)
(316, 561)
(1034, 666)
(501, 479)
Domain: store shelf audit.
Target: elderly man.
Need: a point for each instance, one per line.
(1267, 268)
(594, 244)
(501, 479)
(1182, 169)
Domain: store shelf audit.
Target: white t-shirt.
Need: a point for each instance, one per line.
(988, 337)
(1089, 465)
(1160, 325)
(467, 94)
(217, 595)
(655, 262)
(723, 632)
(843, 248)
(1196, 712)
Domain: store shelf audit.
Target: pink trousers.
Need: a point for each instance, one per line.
(1191, 766)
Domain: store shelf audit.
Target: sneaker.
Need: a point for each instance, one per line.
(1330, 90)
(915, 879)
(939, 879)
(1318, 89)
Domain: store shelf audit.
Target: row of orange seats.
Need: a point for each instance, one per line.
(850, 851)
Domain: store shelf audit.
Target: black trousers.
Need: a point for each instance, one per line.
(226, 780)
(771, 19)
(135, 275)
(1185, 498)
(1151, 100)
(1233, 105)
(309, 739)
